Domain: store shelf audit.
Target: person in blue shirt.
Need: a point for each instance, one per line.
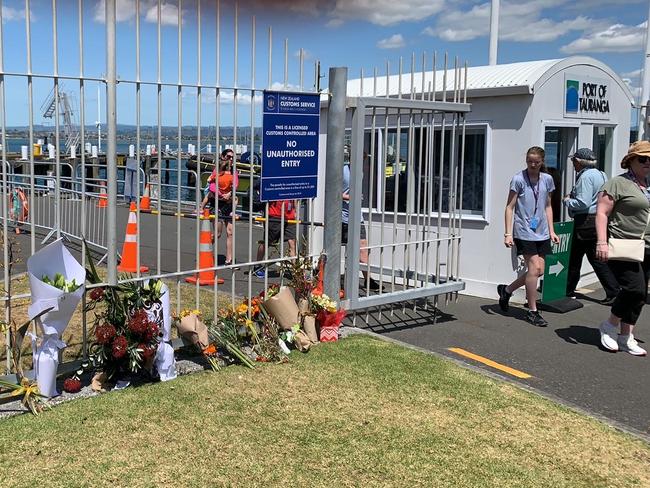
(529, 228)
(581, 203)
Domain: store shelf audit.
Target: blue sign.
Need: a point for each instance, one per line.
(290, 125)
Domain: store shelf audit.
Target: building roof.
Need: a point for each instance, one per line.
(482, 81)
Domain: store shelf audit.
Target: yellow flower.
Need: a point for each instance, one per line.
(242, 309)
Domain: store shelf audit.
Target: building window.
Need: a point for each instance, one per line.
(401, 182)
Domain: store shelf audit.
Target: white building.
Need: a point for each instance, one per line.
(558, 104)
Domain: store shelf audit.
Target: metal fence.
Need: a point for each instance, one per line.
(65, 191)
(64, 203)
(412, 194)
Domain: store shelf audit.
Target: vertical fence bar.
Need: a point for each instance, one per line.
(111, 149)
(30, 101)
(197, 183)
(234, 157)
(334, 180)
(251, 160)
(5, 194)
(179, 154)
(137, 135)
(159, 122)
(82, 155)
(55, 61)
(218, 148)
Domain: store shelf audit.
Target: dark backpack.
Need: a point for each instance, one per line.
(258, 205)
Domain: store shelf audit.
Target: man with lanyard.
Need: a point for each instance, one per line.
(581, 204)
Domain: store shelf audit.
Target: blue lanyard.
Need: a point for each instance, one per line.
(535, 188)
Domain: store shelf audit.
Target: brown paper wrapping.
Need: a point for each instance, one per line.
(283, 308)
(309, 324)
(303, 305)
(301, 341)
(194, 331)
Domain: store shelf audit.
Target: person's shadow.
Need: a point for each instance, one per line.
(515, 312)
(579, 334)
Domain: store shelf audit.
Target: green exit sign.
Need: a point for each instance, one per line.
(556, 269)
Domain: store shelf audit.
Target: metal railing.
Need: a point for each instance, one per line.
(168, 236)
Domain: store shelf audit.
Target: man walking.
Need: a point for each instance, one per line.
(581, 203)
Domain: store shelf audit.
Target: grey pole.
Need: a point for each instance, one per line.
(111, 149)
(645, 87)
(494, 32)
(338, 78)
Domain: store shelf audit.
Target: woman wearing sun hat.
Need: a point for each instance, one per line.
(623, 212)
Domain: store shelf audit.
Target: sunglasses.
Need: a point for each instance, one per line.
(644, 159)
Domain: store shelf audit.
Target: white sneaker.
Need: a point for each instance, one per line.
(608, 334)
(629, 344)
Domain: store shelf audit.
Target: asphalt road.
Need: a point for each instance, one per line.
(565, 360)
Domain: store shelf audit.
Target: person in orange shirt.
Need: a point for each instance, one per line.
(223, 185)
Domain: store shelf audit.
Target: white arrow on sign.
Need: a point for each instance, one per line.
(555, 269)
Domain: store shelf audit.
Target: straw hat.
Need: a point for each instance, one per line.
(639, 148)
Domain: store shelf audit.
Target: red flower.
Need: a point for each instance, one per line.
(138, 322)
(151, 331)
(120, 346)
(147, 351)
(72, 385)
(96, 294)
(331, 319)
(105, 333)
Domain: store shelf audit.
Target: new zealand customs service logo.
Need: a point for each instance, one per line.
(572, 96)
(270, 103)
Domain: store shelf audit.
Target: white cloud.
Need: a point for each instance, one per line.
(519, 21)
(125, 11)
(385, 12)
(632, 74)
(393, 42)
(307, 55)
(168, 14)
(634, 87)
(615, 38)
(10, 13)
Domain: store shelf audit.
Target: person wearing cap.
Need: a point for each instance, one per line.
(623, 212)
(581, 204)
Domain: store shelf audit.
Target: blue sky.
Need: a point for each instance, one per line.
(359, 34)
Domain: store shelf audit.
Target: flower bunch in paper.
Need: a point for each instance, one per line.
(54, 260)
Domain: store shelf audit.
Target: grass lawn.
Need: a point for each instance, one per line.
(360, 412)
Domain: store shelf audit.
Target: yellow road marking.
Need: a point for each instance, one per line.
(489, 362)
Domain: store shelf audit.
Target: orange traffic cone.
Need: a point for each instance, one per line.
(206, 256)
(145, 201)
(103, 196)
(129, 262)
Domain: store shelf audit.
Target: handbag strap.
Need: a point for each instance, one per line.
(646, 225)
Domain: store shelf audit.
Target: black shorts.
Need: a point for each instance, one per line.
(225, 210)
(274, 231)
(541, 248)
(344, 233)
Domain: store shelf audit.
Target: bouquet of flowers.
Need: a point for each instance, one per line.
(132, 329)
(194, 332)
(60, 296)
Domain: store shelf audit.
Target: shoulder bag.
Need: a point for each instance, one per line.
(628, 249)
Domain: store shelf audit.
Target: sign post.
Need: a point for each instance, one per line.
(556, 272)
(290, 126)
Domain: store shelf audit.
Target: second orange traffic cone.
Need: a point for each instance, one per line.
(206, 255)
(129, 263)
(103, 196)
(145, 201)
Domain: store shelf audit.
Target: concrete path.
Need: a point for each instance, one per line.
(565, 359)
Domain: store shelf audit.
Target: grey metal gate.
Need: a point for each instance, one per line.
(406, 177)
